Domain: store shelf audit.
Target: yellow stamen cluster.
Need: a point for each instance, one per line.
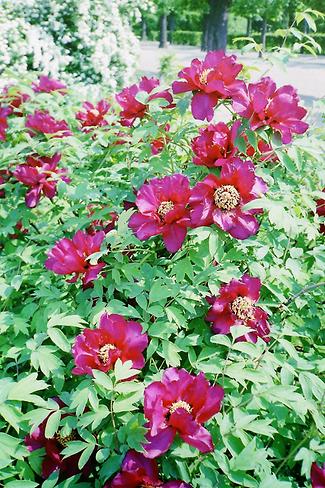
(180, 404)
(103, 353)
(164, 208)
(242, 307)
(226, 197)
(63, 440)
(204, 76)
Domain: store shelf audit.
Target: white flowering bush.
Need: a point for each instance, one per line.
(89, 40)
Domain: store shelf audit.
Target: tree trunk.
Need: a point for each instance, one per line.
(163, 31)
(171, 27)
(249, 26)
(217, 25)
(143, 30)
(263, 36)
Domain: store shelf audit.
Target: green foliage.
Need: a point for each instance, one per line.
(271, 425)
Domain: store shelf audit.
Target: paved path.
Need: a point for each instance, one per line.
(306, 73)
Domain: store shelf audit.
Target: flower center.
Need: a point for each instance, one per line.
(164, 208)
(242, 307)
(226, 197)
(204, 76)
(103, 353)
(94, 112)
(180, 404)
(63, 440)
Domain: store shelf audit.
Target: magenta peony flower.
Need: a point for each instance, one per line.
(42, 121)
(162, 205)
(132, 108)
(266, 106)
(220, 200)
(53, 459)
(180, 403)
(69, 256)
(41, 175)
(48, 85)
(215, 145)
(93, 116)
(317, 475)
(138, 471)
(235, 305)
(209, 80)
(115, 338)
(4, 112)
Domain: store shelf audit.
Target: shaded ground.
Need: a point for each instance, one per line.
(306, 73)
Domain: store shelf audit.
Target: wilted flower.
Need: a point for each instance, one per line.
(53, 459)
(209, 80)
(70, 256)
(162, 205)
(100, 224)
(215, 145)
(15, 99)
(236, 305)
(41, 175)
(220, 200)
(265, 150)
(93, 116)
(138, 471)
(317, 475)
(115, 338)
(4, 112)
(42, 121)
(48, 85)
(5, 175)
(320, 210)
(157, 145)
(132, 108)
(266, 106)
(180, 403)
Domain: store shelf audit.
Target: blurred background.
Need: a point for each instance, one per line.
(112, 42)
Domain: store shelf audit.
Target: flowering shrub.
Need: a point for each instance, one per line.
(162, 282)
(88, 40)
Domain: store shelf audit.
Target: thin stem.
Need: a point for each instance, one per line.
(294, 450)
(307, 289)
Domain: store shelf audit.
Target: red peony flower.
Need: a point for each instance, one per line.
(41, 175)
(317, 475)
(209, 80)
(235, 305)
(320, 210)
(93, 116)
(69, 256)
(138, 471)
(220, 200)
(15, 99)
(115, 338)
(266, 106)
(215, 145)
(53, 459)
(4, 112)
(100, 224)
(180, 403)
(42, 121)
(132, 108)
(48, 85)
(162, 205)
